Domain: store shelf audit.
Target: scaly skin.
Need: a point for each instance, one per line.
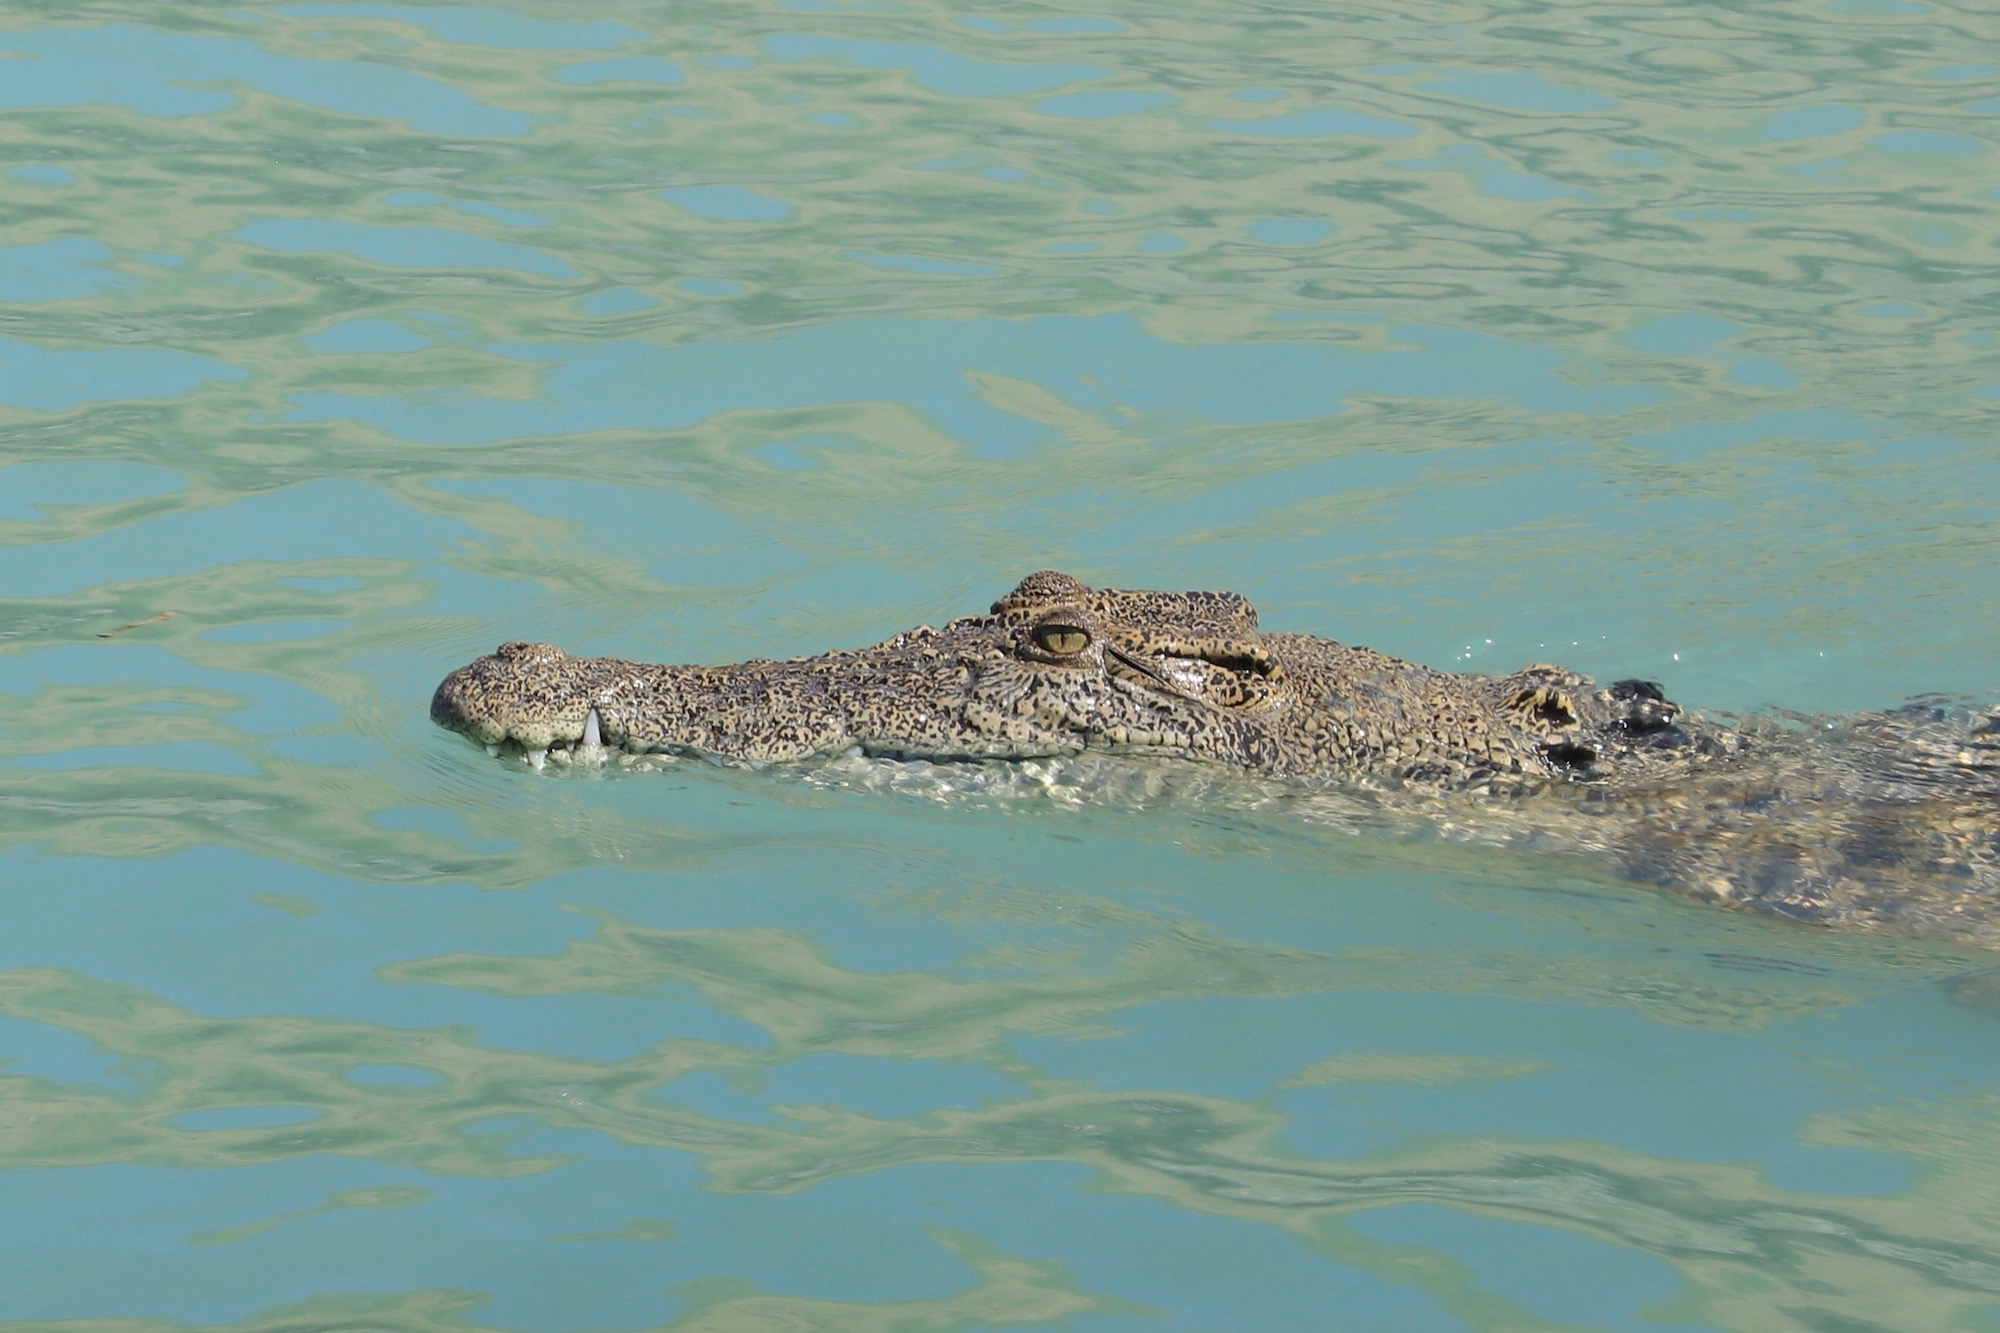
(1057, 668)
(1885, 820)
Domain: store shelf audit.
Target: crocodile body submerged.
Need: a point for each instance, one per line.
(1888, 820)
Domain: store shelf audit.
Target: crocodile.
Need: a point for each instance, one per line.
(1887, 820)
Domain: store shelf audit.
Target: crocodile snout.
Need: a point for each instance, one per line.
(533, 694)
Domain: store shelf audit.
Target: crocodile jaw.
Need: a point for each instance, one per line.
(549, 697)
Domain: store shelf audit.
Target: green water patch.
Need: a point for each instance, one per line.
(348, 341)
(149, 71)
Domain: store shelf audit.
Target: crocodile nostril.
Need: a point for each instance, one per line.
(533, 653)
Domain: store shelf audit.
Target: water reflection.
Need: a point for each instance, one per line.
(345, 341)
(1724, 1227)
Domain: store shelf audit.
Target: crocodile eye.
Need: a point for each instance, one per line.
(1062, 640)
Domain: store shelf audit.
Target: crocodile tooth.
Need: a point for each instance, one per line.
(590, 750)
(492, 752)
(538, 758)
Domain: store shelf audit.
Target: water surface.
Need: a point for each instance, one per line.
(343, 341)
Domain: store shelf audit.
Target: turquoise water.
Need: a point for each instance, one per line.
(343, 341)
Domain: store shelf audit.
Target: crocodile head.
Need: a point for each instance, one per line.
(1053, 668)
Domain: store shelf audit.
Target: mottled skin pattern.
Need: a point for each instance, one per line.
(1057, 668)
(1889, 820)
